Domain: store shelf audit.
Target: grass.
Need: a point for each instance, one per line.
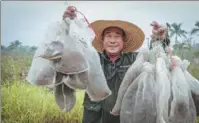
(25, 103)
(12, 66)
(194, 70)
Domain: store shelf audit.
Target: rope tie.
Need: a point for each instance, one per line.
(72, 8)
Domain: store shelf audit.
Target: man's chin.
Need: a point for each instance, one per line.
(113, 52)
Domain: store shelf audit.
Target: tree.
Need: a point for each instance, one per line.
(196, 29)
(183, 50)
(33, 49)
(16, 48)
(15, 44)
(177, 31)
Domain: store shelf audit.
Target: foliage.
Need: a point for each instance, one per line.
(196, 29)
(194, 70)
(177, 31)
(13, 66)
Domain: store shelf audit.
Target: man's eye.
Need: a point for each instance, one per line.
(118, 36)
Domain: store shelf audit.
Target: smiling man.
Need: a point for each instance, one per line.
(113, 42)
(116, 41)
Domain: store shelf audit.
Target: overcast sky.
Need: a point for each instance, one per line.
(27, 20)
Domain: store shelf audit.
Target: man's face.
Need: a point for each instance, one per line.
(113, 40)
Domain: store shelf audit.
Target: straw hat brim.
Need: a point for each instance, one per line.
(134, 35)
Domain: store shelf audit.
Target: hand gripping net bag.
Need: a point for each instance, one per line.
(67, 49)
(158, 90)
(92, 79)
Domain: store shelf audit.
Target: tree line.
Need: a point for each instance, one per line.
(186, 47)
(16, 48)
(183, 40)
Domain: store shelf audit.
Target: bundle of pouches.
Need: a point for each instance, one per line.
(182, 105)
(157, 88)
(66, 59)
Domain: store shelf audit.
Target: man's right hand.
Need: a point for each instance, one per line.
(70, 13)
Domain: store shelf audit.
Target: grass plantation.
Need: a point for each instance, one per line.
(26, 103)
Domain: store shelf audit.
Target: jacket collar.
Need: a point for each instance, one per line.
(105, 56)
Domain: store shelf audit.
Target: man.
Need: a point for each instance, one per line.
(116, 42)
(111, 44)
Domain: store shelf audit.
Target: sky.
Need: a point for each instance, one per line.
(27, 21)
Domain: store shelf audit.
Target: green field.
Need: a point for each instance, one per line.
(26, 103)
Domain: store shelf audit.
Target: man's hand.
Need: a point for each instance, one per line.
(70, 13)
